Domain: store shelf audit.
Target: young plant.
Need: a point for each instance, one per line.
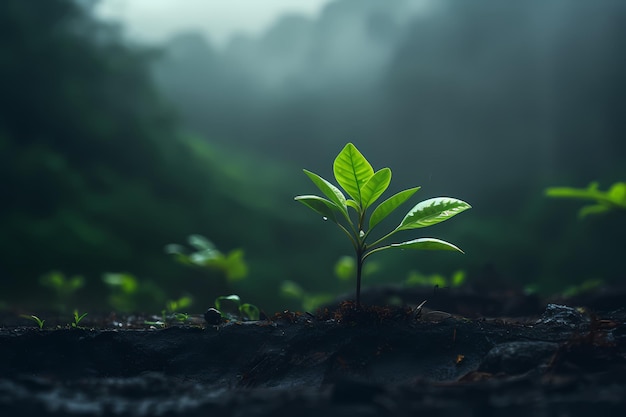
(64, 286)
(436, 280)
(206, 255)
(614, 198)
(364, 186)
(34, 318)
(181, 317)
(77, 318)
(230, 307)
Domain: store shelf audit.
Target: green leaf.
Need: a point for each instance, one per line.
(617, 194)
(290, 289)
(320, 205)
(352, 171)
(235, 265)
(205, 257)
(200, 242)
(250, 311)
(219, 301)
(354, 205)
(374, 187)
(228, 305)
(389, 205)
(590, 193)
(593, 209)
(458, 278)
(432, 211)
(345, 268)
(426, 243)
(333, 193)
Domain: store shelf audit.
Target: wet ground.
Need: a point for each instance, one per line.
(565, 360)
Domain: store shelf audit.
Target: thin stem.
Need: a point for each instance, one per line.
(347, 216)
(365, 255)
(384, 237)
(359, 268)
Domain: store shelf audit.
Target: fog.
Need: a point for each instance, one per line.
(480, 95)
(152, 122)
(487, 101)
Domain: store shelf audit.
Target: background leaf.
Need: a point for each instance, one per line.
(200, 242)
(389, 205)
(432, 211)
(352, 171)
(593, 209)
(250, 311)
(228, 304)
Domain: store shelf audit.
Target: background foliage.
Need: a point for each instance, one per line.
(110, 150)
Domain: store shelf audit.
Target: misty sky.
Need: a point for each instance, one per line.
(156, 20)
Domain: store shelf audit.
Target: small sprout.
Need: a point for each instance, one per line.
(77, 318)
(364, 187)
(456, 280)
(175, 305)
(230, 308)
(181, 317)
(64, 287)
(206, 255)
(249, 312)
(309, 301)
(34, 318)
(228, 305)
(157, 323)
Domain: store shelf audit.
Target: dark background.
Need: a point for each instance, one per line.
(109, 150)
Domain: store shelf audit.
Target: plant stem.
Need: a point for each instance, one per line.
(359, 268)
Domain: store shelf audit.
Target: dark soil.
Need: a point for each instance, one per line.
(555, 360)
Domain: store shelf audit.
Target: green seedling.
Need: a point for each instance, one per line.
(230, 307)
(77, 318)
(34, 318)
(64, 287)
(308, 301)
(435, 280)
(364, 186)
(604, 201)
(159, 323)
(176, 305)
(181, 317)
(206, 255)
(171, 312)
(127, 293)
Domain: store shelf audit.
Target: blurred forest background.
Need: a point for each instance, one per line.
(110, 150)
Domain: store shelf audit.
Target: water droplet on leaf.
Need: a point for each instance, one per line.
(324, 218)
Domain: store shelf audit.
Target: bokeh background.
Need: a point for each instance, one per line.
(124, 129)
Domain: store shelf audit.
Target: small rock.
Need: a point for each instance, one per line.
(213, 317)
(563, 316)
(517, 357)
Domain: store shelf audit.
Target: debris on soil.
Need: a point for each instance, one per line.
(356, 361)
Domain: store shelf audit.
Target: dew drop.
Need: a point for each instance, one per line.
(324, 218)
